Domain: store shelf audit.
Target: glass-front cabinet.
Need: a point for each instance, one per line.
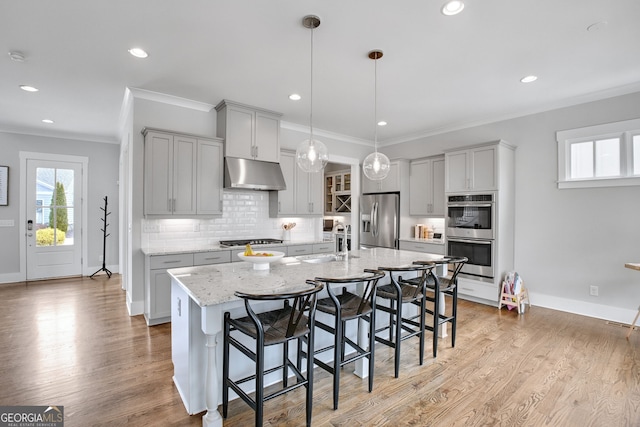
(337, 192)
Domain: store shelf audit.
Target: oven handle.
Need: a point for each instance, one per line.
(479, 242)
(470, 205)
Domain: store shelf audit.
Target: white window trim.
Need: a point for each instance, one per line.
(624, 130)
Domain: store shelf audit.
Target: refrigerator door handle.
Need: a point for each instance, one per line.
(374, 220)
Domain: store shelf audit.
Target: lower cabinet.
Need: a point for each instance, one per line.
(186, 338)
(323, 248)
(431, 248)
(157, 301)
(475, 290)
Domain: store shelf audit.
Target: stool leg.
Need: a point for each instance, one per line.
(372, 342)
(436, 317)
(310, 346)
(285, 366)
(633, 323)
(338, 351)
(259, 382)
(225, 366)
(454, 314)
(398, 335)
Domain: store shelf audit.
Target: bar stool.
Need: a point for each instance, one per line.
(400, 292)
(271, 328)
(344, 307)
(446, 286)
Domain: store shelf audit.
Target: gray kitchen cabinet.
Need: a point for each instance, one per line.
(209, 177)
(212, 257)
(472, 169)
(303, 195)
(323, 248)
(426, 247)
(157, 305)
(426, 187)
(391, 183)
(248, 132)
(297, 250)
(169, 173)
(182, 174)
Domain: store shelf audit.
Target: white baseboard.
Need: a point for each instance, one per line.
(599, 311)
(135, 308)
(12, 277)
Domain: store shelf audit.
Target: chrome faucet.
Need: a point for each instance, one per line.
(342, 254)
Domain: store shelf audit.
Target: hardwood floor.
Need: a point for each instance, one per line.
(71, 343)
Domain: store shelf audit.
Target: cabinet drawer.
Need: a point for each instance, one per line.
(477, 289)
(321, 248)
(171, 261)
(214, 257)
(300, 250)
(431, 248)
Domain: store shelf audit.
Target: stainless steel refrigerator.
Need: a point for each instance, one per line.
(380, 220)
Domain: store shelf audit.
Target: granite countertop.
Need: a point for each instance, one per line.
(215, 284)
(172, 250)
(432, 241)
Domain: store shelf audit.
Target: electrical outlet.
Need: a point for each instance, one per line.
(196, 227)
(593, 291)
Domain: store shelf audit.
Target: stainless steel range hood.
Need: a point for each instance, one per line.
(252, 174)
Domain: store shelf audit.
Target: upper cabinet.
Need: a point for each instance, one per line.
(475, 168)
(303, 195)
(391, 183)
(426, 187)
(337, 192)
(182, 174)
(249, 132)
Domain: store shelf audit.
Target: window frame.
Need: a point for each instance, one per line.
(624, 131)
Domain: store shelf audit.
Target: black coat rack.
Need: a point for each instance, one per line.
(104, 240)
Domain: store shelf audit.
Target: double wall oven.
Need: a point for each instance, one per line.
(471, 232)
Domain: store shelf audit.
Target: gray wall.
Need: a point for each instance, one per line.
(565, 240)
(102, 181)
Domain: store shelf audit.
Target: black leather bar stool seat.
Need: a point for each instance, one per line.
(400, 292)
(294, 321)
(447, 286)
(346, 306)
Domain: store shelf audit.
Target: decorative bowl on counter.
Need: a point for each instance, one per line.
(262, 259)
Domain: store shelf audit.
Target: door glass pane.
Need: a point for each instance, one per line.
(636, 155)
(582, 160)
(608, 157)
(54, 207)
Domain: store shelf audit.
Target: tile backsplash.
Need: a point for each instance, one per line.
(245, 214)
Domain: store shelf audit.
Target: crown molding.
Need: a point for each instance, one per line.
(325, 133)
(170, 99)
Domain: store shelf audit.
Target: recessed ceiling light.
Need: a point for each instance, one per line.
(295, 97)
(382, 123)
(138, 53)
(597, 26)
(47, 121)
(452, 7)
(529, 79)
(16, 56)
(28, 88)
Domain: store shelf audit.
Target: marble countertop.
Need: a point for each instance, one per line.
(215, 284)
(172, 250)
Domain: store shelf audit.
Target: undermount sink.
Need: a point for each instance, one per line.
(319, 259)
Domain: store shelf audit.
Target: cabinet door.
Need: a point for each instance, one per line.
(483, 168)
(267, 137)
(437, 189)
(303, 205)
(239, 134)
(286, 198)
(184, 174)
(315, 193)
(392, 181)
(457, 178)
(158, 177)
(209, 181)
(160, 296)
(369, 186)
(419, 186)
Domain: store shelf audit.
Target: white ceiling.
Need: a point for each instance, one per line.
(438, 73)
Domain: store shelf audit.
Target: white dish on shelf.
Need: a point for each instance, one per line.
(261, 262)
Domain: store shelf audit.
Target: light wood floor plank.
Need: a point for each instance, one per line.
(72, 343)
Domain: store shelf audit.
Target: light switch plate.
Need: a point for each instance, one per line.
(7, 223)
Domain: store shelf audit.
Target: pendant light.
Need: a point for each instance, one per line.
(376, 165)
(311, 155)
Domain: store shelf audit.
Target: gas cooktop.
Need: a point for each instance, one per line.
(242, 242)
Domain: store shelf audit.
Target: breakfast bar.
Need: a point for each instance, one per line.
(201, 295)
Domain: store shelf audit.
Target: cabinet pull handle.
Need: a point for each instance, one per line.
(256, 155)
(171, 262)
(279, 206)
(179, 307)
(169, 205)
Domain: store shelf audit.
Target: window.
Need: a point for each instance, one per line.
(599, 156)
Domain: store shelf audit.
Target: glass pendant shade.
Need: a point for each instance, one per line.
(312, 155)
(376, 166)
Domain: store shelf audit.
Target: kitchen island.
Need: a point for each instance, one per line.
(201, 295)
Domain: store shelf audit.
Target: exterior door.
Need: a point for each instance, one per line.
(54, 219)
